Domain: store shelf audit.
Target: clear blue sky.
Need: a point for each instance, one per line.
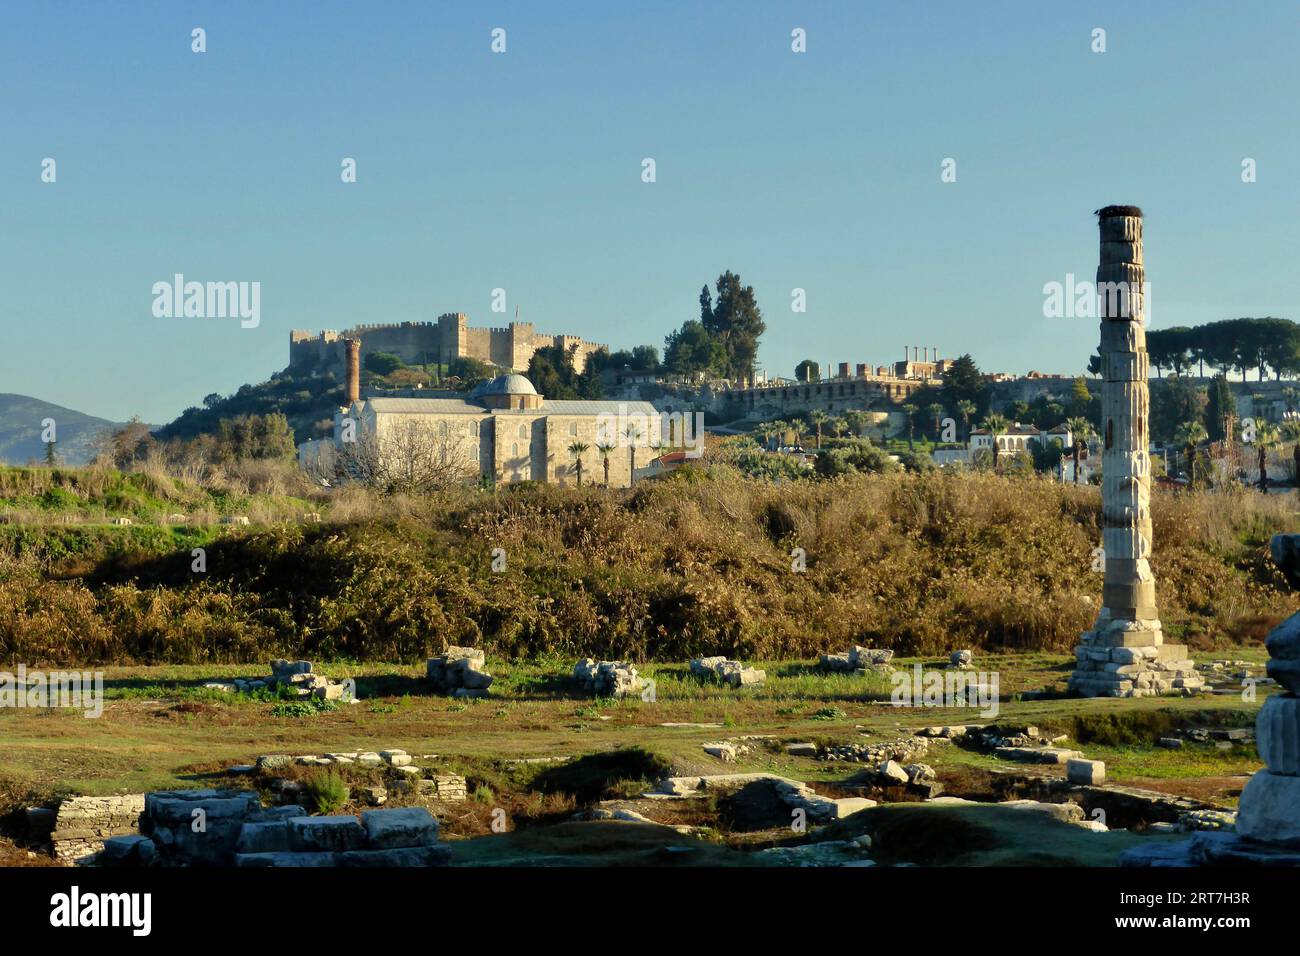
(522, 171)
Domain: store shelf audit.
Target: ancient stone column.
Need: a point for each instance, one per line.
(1125, 654)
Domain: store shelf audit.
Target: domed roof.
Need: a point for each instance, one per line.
(507, 385)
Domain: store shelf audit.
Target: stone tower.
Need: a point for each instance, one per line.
(353, 379)
(1125, 655)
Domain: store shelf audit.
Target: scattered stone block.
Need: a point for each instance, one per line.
(1087, 772)
(870, 657)
(459, 668)
(269, 837)
(404, 827)
(1056, 755)
(326, 834)
(723, 750)
(128, 850)
(607, 678)
(836, 662)
(731, 673)
(890, 771)
(847, 806)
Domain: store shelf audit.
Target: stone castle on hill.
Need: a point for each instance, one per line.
(419, 343)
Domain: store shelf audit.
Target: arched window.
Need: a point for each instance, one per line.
(573, 428)
(473, 429)
(523, 431)
(514, 450)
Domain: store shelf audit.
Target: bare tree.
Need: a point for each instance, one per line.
(411, 456)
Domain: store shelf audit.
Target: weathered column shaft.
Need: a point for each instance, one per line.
(1129, 589)
(1124, 655)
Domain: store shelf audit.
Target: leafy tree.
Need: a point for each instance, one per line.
(857, 456)
(1080, 397)
(1174, 401)
(807, 371)
(1219, 406)
(382, 363)
(469, 372)
(964, 382)
(130, 443)
(693, 349)
(735, 321)
(1047, 456)
(645, 356)
(254, 436)
(857, 421)
(552, 372)
(917, 461)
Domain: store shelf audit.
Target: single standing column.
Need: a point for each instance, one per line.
(1125, 654)
(353, 380)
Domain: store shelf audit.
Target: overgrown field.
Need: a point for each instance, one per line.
(704, 562)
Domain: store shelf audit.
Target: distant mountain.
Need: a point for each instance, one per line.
(20, 431)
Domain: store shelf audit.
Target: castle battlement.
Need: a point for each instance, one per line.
(433, 342)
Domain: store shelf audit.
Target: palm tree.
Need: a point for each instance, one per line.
(857, 422)
(936, 415)
(577, 449)
(779, 431)
(818, 419)
(1266, 437)
(1081, 431)
(1189, 435)
(910, 411)
(966, 408)
(606, 449)
(633, 435)
(839, 426)
(765, 431)
(996, 425)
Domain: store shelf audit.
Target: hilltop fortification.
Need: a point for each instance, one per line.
(418, 343)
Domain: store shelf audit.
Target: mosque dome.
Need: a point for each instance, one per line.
(513, 384)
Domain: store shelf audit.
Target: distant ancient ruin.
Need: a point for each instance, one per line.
(421, 343)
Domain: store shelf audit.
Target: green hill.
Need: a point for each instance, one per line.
(20, 431)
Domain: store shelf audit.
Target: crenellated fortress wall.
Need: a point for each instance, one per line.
(417, 343)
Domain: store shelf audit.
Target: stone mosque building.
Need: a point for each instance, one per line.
(503, 430)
